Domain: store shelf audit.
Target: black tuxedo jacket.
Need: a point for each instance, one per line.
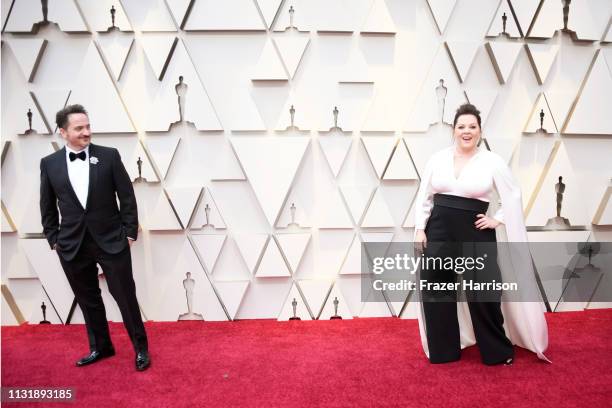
(108, 223)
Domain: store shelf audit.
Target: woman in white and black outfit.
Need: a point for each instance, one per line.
(451, 221)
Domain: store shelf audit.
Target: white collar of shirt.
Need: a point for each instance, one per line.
(78, 173)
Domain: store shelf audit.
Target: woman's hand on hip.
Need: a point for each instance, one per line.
(485, 222)
(420, 240)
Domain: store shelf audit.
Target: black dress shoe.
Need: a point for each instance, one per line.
(143, 361)
(94, 356)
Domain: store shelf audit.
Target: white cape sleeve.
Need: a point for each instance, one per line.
(524, 318)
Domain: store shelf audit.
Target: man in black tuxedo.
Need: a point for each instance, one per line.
(85, 180)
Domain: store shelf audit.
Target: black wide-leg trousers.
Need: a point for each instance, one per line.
(82, 275)
(451, 233)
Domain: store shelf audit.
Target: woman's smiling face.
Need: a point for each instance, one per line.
(467, 132)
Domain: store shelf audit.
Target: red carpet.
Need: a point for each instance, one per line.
(361, 362)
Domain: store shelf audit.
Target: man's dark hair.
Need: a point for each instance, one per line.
(467, 109)
(61, 117)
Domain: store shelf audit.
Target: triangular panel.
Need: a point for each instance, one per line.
(378, 214)
(231, 294)
(149, 15)
(179, 8)
(172, 302)
(28, 52)
(29, 105)
(335, 150)
(161, 217)
(269, 67)
(50, 101)
(400, 166)
(296, 211)
(560, 102)
(269, 9)
(462, 54)
(542, 57)
(138, 164)
(272, 263)
(379, 20)
(162, 150)
(298, 106)
(352, 261)
(330, 211)
(572, 198)
(525, 11)
(608, 36)
(184, 200)
(181, 91)
(270, 165)
(533, 124)
(589, 18)
(207, 215)
(26, 13)
(251, 247)
(209, 247)
(548, 20)
(115, 49)
(315, 292)
(228, 15)
(357, 198)
(329, 310)
(533, 156)
(497, 24)
(292, 47)
(294, 300)
(158, 47)
(356, 70)
(331, 249)
(440, 93)
(441, 10)
(7, 222)
(29, 295)
(49, 270)
(379, 149)
(603, 215)
(591, 115)
(11, 315)
(503, 56)
(95, 89)
(607, 52)
(98, 15)
(293, 247)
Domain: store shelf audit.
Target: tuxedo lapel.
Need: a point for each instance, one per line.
(63, 166)
(93, 173)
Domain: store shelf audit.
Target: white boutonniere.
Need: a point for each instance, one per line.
(93, 160)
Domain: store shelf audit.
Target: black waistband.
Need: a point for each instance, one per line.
(461, 203)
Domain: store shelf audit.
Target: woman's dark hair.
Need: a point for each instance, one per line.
(467, 109)
(61, 117)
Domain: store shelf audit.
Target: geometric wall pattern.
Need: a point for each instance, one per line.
(275, 136)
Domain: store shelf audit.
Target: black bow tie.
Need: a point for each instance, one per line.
(73, 156)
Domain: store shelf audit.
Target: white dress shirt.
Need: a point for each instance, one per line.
(476, 180)
(78, 173)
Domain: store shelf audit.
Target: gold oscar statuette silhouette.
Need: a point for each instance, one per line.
(189, 284)
(294, 305)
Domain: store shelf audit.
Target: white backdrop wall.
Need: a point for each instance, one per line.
(262, 212)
